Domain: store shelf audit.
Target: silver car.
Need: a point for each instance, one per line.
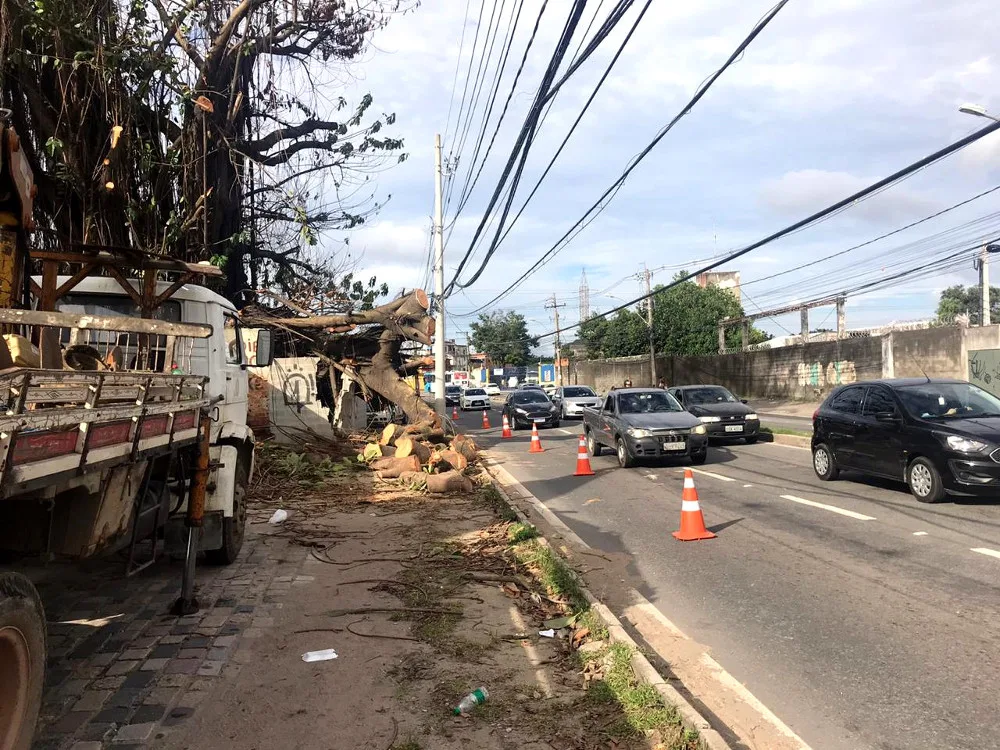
(572, 398)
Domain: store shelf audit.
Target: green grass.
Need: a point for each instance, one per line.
(591, 621)
(492, 497)
(519, 532)
(408, 744)
(785, 431)
(554, 574)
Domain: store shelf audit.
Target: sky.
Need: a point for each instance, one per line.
(833, 95)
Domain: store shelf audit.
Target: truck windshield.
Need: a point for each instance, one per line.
(645, 403)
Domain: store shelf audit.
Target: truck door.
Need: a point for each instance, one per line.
(234, 407)
(605, 426)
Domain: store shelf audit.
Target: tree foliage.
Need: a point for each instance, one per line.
(503, 336)
(966, 300)
(685, 322)
(205, 129)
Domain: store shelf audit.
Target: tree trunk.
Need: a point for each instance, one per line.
(450, 481)
(391, 468)
(407, 446)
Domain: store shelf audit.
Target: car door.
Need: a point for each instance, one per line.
(879, 443)
(606, 419)
(842, 420)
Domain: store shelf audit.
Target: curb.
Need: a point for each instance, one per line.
(796, 441)
(643, 668)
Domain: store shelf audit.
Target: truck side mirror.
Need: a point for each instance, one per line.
(265, 348)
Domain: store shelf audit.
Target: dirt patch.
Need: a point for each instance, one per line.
(424, 599)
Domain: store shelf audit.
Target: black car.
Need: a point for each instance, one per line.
(938, 436)
(723, 415)
(452, 394)
(530, 406)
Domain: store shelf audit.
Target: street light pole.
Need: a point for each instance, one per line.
(439, 363)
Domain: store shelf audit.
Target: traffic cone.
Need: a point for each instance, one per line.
(692, 522)
(536, 444)
(486, 420)
(454, 413)
(506, 433)
(583, 460)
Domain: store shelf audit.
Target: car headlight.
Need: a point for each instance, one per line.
(519, 410)
(710, 419)
(700, 430)
(966, 445)
(637, 433)
(750, 416)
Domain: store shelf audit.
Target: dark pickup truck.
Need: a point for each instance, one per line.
(641, 423)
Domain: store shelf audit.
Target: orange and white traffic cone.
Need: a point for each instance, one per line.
(486, 420)
(536, 443)
(506, 433)
(692, 522)
(583, 460)
(454, 413)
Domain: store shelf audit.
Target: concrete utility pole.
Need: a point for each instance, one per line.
(439, 363)
(554, 306)
(648, 276)
(984, 284)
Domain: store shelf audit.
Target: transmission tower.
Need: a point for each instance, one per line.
(584, 297)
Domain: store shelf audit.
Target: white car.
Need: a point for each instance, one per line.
(474, 398)
(492, 389)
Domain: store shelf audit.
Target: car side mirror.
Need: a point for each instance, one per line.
(887, 416)
(265, 348)
(744, 401)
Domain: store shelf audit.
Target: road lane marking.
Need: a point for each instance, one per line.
(566, 432)
(714, 476)
(919, 533)
(748, 485)
(832, 509)
(986, 551)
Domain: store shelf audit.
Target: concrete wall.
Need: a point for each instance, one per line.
(805, 372)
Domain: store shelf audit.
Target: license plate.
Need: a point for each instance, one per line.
(538, 419)
(676, 445)
(734, 428)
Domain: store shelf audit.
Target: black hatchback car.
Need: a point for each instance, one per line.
(723, 415)
(938, 436)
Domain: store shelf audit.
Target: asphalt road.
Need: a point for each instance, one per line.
(860, 617)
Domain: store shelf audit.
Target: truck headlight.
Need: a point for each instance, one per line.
(966, 445)
(750, 416)
(710, 419)
(637, 433)
(700, 430)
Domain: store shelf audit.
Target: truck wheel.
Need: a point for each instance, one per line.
(233, 527)
(625, 459)
(592, 445)
(22, 660)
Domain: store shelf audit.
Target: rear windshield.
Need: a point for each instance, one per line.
(530, 397)
(578, 392)
(475, 392)
(713, 395)
(948, 401)
(643, 403)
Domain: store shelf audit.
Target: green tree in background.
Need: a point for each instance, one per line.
(685, 322)
(503, 335)
(961, 300)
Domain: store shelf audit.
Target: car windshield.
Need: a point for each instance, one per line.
(644, 403)
(475, 392)
(713, 395)
(530, 397)
(948, 401)
(578, 392)
(452, 389)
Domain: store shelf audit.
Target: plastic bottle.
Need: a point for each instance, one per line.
(475, 698)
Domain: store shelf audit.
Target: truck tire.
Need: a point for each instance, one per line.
(233, 527)
(22, 660)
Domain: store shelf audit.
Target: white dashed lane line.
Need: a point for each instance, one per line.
(832, 509)
(566, 432)
(986, 551)
(714, 476)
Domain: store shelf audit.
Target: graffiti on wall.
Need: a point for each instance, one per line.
(813, 374)
(984, 369)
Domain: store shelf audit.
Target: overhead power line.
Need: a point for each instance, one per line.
(813, 218)
(599, 205)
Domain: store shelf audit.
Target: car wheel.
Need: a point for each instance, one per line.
(824, 464)
(699, 458)
(925, 481)
(555, 423)
(592, 445)
(751, 439)
(625, 459)
(22, 660)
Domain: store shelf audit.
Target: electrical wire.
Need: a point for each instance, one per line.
(458, 64)
(600, 205)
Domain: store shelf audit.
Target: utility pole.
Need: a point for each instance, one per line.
(439, 363)
(554, 306)
(647, 276)
(984, 284)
